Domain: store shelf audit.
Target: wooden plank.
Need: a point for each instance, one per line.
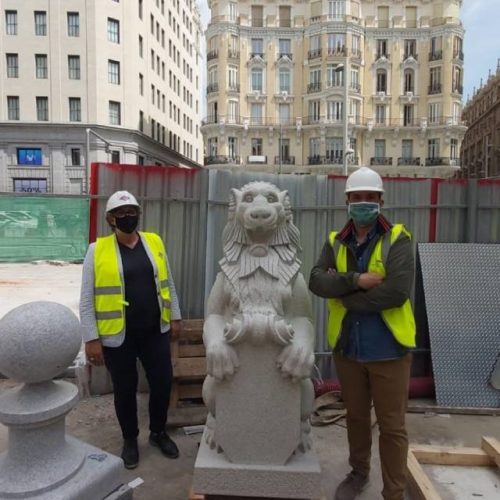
(189, 391)
(447, 455)
(191, 351)
(419, 483)
(193, 324)
(195, 496)
(491, 446)
(190, 367)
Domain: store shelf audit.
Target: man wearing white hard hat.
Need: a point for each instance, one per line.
(365, 270)
(128, 305)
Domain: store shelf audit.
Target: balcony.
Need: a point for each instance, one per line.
(356, 53)
(408, 162)
(284, 160)
(315, 160)
(313, 54)
(438, 162)
(222, 160)
(212, 87)
(458, 89)
(212, 54)
(315, 19)
(337, 51)
(435, 88)
(381, 161)
(436, 55)
(355, 86)
(256, 54)
(285, 54)
(458, 55)
(233, 54)
(233, 87)
(314, 87)
(379, 55)
(408, 55)
(257, 159)
(311, 120)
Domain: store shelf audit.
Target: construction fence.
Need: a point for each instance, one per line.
(188, 208)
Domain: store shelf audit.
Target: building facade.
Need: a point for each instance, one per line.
(480, 155)
(291, 87)
(117, 78)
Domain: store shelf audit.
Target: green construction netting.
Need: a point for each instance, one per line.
(39, 228)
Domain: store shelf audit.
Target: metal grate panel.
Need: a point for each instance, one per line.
(462, 302)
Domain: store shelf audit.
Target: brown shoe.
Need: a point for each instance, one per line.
(351, 487)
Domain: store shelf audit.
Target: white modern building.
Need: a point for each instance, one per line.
(117, 78)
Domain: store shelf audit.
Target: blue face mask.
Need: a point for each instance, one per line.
(364, 213)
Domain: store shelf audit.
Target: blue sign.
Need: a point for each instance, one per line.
(29, 156)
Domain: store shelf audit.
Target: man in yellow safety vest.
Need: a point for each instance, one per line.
(366, 270)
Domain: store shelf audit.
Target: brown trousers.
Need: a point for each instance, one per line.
(386, 383)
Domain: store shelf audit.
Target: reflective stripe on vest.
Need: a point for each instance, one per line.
(399, 320)
(109, 297)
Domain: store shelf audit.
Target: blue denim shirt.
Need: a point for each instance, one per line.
(369, 338)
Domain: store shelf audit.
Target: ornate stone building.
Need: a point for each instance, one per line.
(480, 155)
(128, 70)
(287, 81)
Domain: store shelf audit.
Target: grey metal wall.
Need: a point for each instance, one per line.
(189, 209)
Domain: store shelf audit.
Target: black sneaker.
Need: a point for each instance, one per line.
(167, 446)
(130, 453)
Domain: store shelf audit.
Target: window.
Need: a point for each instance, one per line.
(42, 109)
(257, 47)
(433, 148)
(212, 146)
(336, 44)
(233, 11)
(314, 147)
(75, 157)
(74, 67)
(381, 80)
(379, 148)
(436, 48)
(232, 147)
(113, 72)
(41, 66)
(233, 112)
(140, 9)
(257, 12)
(12, 65)
(256, 146)
(408, 115)
(40, 23)
(141, 84)
(73, 24)
(285, 47)
(141, 47)
(30, 185)
(284, 113)
(457, 85)
(13, 107)
(75, 109)
(284, 84)
(383, 17)
(380, 114)
(336, 10)
(409, 78)
(435, 82)
(11, 22)
(115, 156)
(434, 112)
(334, 78)
(355, 78)
(407, 149)
(334, 148)
(141, 120)
(314, 111)
(410, 48)
(256, 114)
(113, 30)
(334, 110)
(356, 45)
(233, 78)
(411, 17)
(381, 48)
(114, 113)
(284, 16)
(454, 149)
(256, 79)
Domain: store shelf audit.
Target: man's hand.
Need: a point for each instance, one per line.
(93, 352)
(369, 280)
(176, 328)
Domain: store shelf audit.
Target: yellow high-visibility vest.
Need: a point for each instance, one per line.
(399, 320)
(109, 291)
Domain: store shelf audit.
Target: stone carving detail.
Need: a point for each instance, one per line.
(258, 334)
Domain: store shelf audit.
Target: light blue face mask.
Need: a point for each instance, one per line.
(364, 213)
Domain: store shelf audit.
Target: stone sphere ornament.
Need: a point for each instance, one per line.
(38, 341)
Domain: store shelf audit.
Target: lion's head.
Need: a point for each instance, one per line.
(260, 212)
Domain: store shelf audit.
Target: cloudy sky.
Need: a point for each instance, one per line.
(482, 40)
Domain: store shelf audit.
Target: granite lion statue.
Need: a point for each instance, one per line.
(259, 313)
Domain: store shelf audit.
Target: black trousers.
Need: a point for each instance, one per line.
(153, 350)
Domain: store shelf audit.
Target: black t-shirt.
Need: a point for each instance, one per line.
(143, 312)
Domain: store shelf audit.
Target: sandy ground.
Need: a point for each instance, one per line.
(93, 419)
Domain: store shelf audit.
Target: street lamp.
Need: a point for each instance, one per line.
(347, 149)
(89, 131)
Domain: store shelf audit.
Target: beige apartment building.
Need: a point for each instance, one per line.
(292, 86)
(96, 80)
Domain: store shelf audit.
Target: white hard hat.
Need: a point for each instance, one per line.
(121, 199)
(364, 179)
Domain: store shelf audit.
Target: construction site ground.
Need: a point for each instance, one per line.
(93, 420)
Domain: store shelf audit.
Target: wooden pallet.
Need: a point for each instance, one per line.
(419, 482)
(189, 365)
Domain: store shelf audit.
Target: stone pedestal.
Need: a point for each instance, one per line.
(37, 341)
